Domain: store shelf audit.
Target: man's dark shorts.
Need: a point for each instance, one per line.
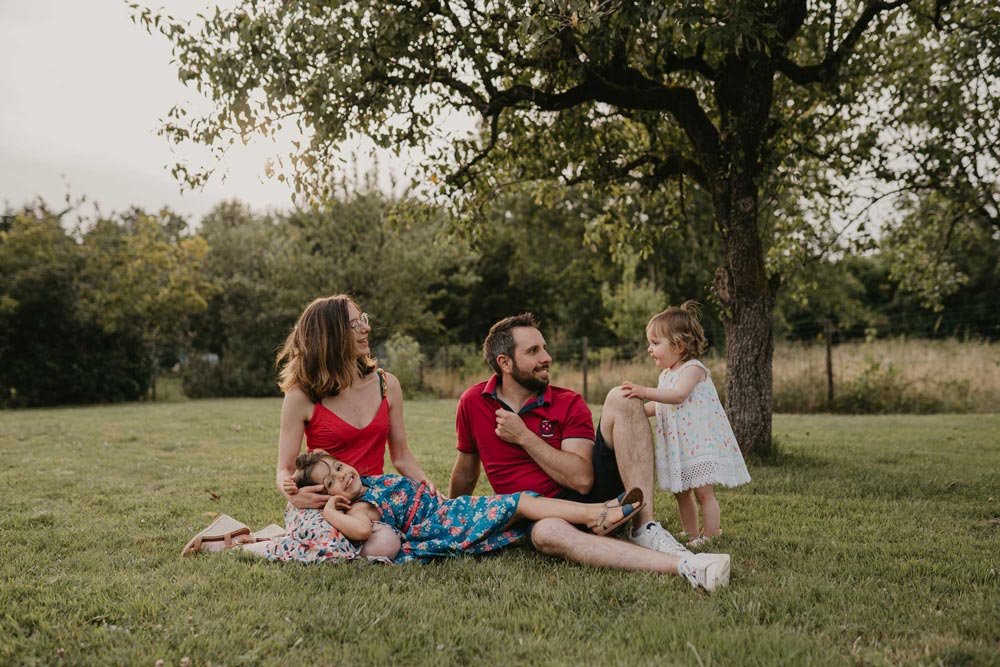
(607, 480)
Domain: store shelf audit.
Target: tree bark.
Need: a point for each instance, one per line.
(748, 298)
(746, 292)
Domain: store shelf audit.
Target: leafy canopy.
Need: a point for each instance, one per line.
(861, 102)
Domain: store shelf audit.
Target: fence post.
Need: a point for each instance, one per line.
(584, 369)
(828, 337)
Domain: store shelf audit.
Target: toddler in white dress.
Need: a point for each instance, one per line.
(695, 445)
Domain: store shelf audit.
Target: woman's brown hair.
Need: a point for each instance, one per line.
(682, 326)
(319, 353)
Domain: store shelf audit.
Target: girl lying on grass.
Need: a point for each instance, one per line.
(434, 526)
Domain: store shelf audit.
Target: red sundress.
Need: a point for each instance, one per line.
(363, 448)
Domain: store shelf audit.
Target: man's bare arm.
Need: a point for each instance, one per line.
(464, 475)
(571, 467)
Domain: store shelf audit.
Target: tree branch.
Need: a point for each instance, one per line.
(673, 62)
(626, 89)
(662, 168)
(464, 174)
(833, 27)
(827, 70)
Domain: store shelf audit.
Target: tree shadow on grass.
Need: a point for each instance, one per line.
(890, 481)
(889, 475)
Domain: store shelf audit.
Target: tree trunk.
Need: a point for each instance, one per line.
(744, 289)
(748, 298)
(749, 354)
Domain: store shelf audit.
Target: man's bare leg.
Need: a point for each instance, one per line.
(625, 428)
(555, 537)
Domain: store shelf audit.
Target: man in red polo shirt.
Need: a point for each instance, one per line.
(530, 436)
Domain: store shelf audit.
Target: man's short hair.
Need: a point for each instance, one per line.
(500, 339)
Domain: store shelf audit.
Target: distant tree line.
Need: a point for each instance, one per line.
(92, 310)
(88, 311)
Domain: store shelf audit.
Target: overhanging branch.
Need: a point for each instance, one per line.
(464, 173)
(625, 89)
(827, 69)
(662, 168)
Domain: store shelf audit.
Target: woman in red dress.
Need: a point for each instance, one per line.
(343, 404)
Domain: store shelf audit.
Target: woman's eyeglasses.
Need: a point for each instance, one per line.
(361, 321)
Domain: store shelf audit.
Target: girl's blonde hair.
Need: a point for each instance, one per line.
(319, 353)
(682, 327)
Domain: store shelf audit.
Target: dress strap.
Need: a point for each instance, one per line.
(382, 382)
(698, 364)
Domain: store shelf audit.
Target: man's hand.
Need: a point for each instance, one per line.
(309, 498)
(511, 428)
(631, 390)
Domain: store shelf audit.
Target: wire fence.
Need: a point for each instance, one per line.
(897, 364)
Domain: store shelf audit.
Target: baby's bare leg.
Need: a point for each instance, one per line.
(688, 511)
(711, 515)
(384, 542)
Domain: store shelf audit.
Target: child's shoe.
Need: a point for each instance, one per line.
(702, 541)
(708, 571)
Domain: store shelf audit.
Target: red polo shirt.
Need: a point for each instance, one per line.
(556, 415)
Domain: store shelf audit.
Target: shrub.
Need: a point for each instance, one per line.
(53, 349)
(233, 375)
(404, 359)
(881, 389)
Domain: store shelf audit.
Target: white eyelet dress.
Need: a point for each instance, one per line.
(695, 444)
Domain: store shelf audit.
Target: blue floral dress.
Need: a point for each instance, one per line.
(434, 526)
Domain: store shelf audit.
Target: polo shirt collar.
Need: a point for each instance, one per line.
(545, 398)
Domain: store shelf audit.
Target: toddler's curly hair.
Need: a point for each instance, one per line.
(682, 327)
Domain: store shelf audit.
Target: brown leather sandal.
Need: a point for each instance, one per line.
(224, 529)
(625, 502)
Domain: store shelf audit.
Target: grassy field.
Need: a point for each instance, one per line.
(869, 541)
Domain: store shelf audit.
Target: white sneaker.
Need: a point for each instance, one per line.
(708, 571)
(656, 537)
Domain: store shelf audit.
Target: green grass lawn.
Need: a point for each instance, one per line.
(870, 541)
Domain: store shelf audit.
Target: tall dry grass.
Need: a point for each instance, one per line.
(895, 375)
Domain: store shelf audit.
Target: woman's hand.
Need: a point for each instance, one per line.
(309, 498)
(430, 485)
(631, 390)
(289, 486)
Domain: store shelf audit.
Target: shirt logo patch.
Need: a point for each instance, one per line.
(547, 429)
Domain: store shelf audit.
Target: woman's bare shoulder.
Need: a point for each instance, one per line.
(393, 387)
(391, 380)
(296, 398)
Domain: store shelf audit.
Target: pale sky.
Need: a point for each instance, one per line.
(82, 90)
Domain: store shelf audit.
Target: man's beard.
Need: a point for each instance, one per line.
(527, 380)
